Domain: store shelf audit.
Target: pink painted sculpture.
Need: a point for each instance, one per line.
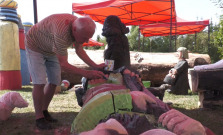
(8, 102)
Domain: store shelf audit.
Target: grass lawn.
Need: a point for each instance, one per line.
(22, 121)
(64, 107)
(211, 118)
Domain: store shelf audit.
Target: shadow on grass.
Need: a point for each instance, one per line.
(29, 88)
(209, 117)
(24, 124)
(26, 89)
(64, 92)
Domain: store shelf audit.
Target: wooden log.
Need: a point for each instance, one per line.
(153, 67)
(206, 80)
(193, 80)
(203, 82)
(210, 80)
(201, 99)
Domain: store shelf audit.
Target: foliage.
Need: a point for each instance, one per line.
(219, 3)
(198, 46)
(218, 39)
(186, 41)
(133, 38)
(146, 44)
(102, 40)
(201, 45)
(160, 44)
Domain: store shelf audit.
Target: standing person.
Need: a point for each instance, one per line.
(46, 47)
(178, 76)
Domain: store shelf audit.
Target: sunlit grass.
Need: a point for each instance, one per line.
(22, 121)
(189, 101)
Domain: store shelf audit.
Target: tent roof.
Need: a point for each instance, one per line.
(131, 12)
(180, 27)
(92, 42)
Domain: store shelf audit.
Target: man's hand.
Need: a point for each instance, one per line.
(94, 74)
(174, 71)
(101, 66)
(140, 100)
(181, 124)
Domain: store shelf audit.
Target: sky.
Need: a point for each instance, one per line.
(191, 10)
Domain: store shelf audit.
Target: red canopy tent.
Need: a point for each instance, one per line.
(131, 12)
(92, 42)
(180, 27)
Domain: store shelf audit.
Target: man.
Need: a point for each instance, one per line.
(46, 47)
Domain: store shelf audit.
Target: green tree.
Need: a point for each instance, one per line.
(159, 44)
(145, 44)
(102, 40)
(218, 41)
(133, 38)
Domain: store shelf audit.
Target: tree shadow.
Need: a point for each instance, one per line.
(27, 88)
(211, 118)
(24, 124)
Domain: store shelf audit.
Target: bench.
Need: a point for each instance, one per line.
(209, 86)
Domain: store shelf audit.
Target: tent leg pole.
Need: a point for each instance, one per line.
(175, 43)
(143, 43)
(139, 41)
(170, 49)
(150, 47)
(209, 39)
(195, 44)
(35, 11)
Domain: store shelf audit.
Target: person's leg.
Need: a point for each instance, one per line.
(37, 95)
(49, 91)
(37, 71)
(54, 78)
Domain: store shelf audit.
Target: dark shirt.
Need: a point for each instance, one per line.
(181, 84)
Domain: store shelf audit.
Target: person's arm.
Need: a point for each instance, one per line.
(181, 124)
(82, 54)
(91, 74)
(180, 67)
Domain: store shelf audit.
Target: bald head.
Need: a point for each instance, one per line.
(83, 26)
(85, 23)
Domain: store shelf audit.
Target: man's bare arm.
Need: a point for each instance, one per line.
(83, 55)
(91, 74)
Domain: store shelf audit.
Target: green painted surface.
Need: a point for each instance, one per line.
(99, 107)
(146, 84)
